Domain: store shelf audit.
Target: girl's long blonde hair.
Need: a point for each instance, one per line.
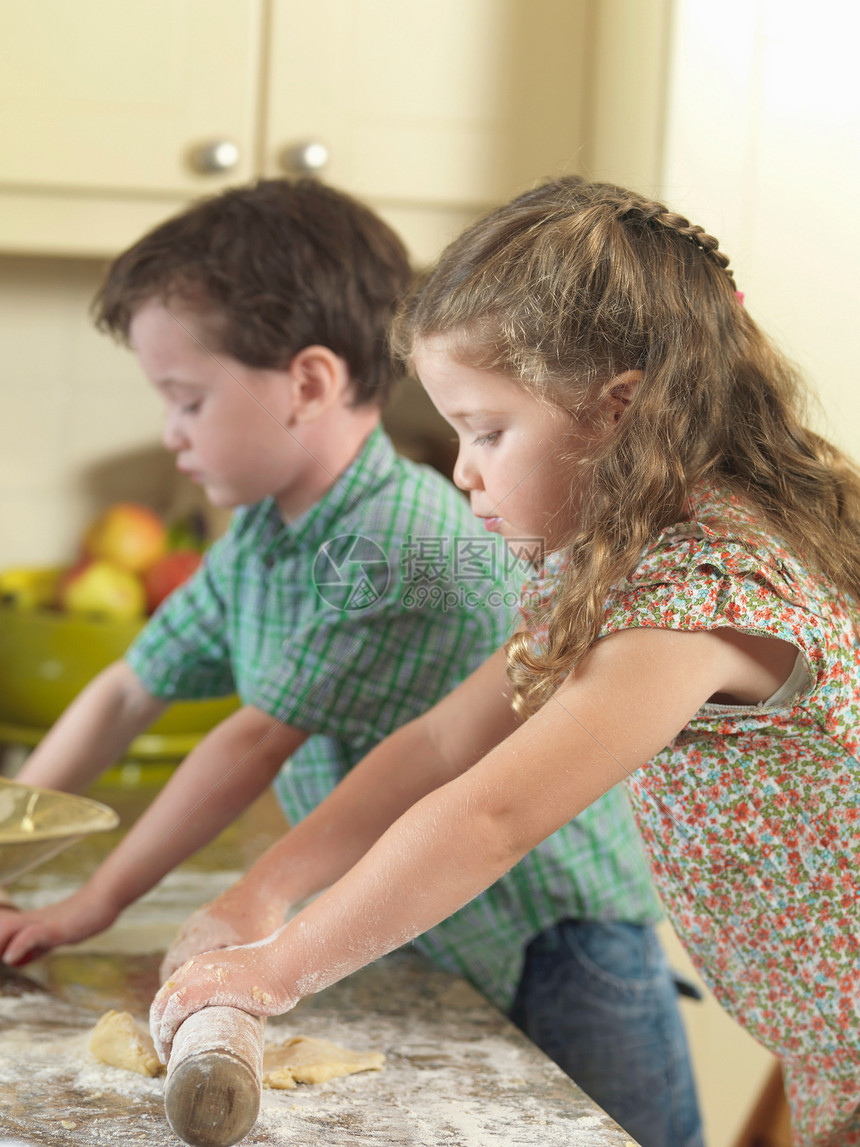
(572, 284)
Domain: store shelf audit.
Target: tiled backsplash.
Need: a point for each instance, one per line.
(71, 401)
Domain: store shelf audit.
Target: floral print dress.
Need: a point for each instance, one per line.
(751, 815)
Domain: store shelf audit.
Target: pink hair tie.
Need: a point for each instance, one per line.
(739, 295)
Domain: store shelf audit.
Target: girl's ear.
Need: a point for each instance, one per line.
(320, 380)
(620, 393)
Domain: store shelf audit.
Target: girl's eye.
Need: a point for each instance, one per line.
(190, 407)
(487, 439)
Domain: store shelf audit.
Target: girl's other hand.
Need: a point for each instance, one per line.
(244, 977)
(241, 915)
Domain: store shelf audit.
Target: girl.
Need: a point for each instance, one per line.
(694, 633)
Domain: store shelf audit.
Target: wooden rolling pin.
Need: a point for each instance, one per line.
(212, 1091)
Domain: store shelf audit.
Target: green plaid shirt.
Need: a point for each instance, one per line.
(349, 622)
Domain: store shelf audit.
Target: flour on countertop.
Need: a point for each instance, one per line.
(61, 1066)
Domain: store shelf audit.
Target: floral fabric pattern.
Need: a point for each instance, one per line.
(751, 816)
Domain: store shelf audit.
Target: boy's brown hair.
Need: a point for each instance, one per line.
(272, 268)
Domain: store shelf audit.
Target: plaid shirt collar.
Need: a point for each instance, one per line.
(372, 465)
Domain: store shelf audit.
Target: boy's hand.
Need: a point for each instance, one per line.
(24, 936)
(243, 977)
(240, 915)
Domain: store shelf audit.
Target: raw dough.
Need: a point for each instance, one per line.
(120, 1041)
(305, 1060)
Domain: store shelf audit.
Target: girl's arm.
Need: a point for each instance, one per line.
(222, 775)
(413, 761)
(627, 699)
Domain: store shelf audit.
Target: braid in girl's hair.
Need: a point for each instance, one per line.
(657, 213)
(574, 283)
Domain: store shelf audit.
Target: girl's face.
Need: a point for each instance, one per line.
(518, 455)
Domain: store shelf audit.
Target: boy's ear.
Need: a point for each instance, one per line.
(620, 393)
(320, 380)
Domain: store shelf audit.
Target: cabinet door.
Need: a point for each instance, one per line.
(99, 96)
(436, 102)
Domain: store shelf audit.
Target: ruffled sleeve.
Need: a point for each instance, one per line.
(696, 577)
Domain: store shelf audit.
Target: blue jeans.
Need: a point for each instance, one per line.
(600, 1000)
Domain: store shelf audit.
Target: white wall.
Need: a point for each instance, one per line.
(762, 147)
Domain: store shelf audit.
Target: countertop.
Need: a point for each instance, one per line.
(457, 1072)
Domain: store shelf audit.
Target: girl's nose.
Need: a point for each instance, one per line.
(465, 474)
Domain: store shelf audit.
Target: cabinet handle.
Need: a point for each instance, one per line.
(310, 157)
(215, 158)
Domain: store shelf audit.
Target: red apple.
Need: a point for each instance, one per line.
(128, 535)
(102, 588)
(168, 573)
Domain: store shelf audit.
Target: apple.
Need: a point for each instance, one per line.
(127, 535)
(100, 587)
(168, 572)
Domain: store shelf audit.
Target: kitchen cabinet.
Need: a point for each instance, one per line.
(98, 97)
(113, 116)
(103, 106)
(441, 101)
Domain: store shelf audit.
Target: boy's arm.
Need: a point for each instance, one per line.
(93, 732)
(228, 770)
(411, 762)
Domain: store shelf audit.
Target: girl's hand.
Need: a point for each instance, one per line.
(24, 936)
(244, 977)
(241, 915)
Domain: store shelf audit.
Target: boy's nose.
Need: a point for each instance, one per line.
(172, 436)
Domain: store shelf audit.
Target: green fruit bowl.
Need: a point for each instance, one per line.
(48, 657)
(36, 824)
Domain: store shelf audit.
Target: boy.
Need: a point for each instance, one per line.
(348, 596)
(259, 316)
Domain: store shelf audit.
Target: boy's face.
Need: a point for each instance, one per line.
(519, 459)
(225, 421)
